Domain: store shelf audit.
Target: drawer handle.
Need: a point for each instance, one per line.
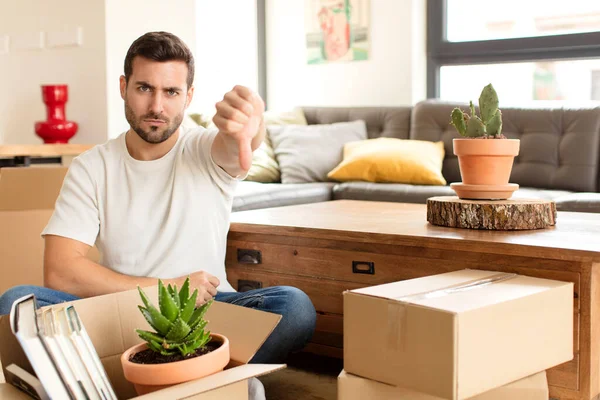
(363, 267)
(247, 256)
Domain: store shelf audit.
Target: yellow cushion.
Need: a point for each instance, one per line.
(393, 161)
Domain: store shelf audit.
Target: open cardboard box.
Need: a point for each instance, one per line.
(111, 321)
(458, 334)
(27, 197)
(352, 387)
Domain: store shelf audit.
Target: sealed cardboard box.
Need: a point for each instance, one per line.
(459, 334)
(111, 321)
(351, 387)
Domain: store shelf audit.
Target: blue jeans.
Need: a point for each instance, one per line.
(291, 334)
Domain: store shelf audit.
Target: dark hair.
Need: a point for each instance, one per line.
(160, 46)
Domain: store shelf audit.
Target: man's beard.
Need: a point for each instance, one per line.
(154, 135)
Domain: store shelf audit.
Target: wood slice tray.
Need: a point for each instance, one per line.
(517, 214)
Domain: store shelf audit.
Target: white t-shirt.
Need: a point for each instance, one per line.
(164, 218)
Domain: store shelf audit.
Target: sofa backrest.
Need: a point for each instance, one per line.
(560, 147)
(391, 122)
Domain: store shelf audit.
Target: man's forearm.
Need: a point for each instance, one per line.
(82, 277)
(225, 151)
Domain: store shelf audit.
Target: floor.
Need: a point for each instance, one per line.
(307, 377)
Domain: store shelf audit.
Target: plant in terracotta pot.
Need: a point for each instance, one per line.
(485, 155)
(179, 349)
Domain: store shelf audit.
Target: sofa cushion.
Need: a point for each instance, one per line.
(391, 122)
(580, 202)
(391, 160)
(559, 147)
(535, 193)
(264, 165)
(395, 192)
(253, 195)
(307, 153)
(404, 193)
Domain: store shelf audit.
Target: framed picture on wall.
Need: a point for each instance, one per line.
(337, 30)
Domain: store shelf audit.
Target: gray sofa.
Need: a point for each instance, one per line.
(559, 158)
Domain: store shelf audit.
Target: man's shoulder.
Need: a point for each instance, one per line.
(99, 154)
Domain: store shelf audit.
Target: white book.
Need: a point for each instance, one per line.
(48, 334)
(89, 355)
(25, 381)
(23, 323)
(60, 352)
(66, 343)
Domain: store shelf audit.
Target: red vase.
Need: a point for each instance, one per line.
(56, 128)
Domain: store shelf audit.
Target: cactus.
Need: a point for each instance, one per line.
(487, 124)
(488, 103)
(459, 121)
(494, 125)
(178, 323)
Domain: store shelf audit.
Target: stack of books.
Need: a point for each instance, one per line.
(60, 352)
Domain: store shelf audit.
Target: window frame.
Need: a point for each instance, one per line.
(441, 52)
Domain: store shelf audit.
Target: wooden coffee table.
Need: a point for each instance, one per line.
(326, 248)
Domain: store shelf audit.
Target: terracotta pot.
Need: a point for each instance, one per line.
(152, 377)
(486, 163)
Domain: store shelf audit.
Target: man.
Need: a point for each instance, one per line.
(156, 200)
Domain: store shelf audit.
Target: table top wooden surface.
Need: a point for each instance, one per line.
(575, 235)
(43, 150)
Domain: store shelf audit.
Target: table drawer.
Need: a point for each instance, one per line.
(326, 295)
(365, 267)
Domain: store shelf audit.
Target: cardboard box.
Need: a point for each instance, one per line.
(27, 198)
(351, 387)
(111, 321)
(459, 334)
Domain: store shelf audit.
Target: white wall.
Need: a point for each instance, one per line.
(22, 71)
(226, 50)
(394, 74)
(125, 22)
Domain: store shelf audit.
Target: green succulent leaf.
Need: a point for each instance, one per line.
(144, 297)
(184, 293)
(475, 127)
(199, 314)
(156, 319)
(494, 125)
(488, 103)
(196, 333)
(472, 107)
(189, 307)
(176, 296)
(168, 307)
(458, 121)
(179, 331)
(153, 345)
(178, 323)
(148, 336)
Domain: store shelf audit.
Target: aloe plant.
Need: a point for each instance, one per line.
(489, 121)
(178, 323)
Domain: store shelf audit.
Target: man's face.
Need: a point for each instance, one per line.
(156, 97)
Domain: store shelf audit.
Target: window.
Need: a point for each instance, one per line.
(544, 51)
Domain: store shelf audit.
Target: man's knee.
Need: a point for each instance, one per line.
(16, 292)
(301, 314)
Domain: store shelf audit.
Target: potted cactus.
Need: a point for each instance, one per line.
(179, 349)
(485, 155)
